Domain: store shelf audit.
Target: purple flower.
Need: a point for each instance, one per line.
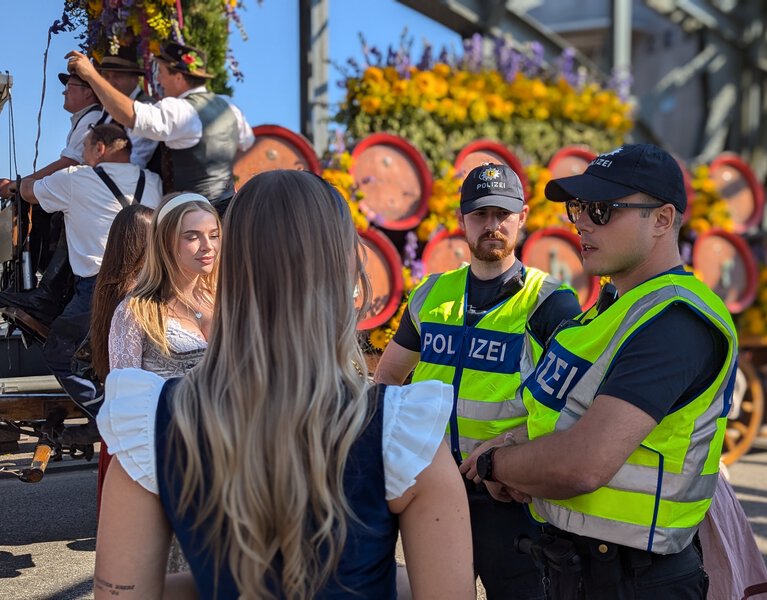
(338, 142)
(416, 270)
(621, 81)
(507, 59)
(533, 62)
(472, 53)
(444, 56)
(375, 52)
(365, 49)
(427, 60)
(411, 246)
(566, 66)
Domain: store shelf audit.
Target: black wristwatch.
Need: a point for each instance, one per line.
(485, 464)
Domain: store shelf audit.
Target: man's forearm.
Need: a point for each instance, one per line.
(545, 468)
(27, 190)
(58, 164)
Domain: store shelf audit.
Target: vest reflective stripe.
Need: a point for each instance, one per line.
(664, 489)
(485, 362)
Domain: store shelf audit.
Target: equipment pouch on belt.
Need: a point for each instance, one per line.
(560, 562)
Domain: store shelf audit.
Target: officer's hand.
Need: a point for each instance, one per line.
(499, 491)
(504, 493)
(79, 64)
(468, 466)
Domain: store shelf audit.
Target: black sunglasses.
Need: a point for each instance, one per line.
(599, 212)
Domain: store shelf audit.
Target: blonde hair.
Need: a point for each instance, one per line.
(160, 279)
(279, 397)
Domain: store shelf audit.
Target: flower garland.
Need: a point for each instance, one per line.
(337, 173)
(412, 273)
(148, 24)
(709, 210)
(509, 96)
(443, 204)
(115, 23)
(753, 321)
(543, 212)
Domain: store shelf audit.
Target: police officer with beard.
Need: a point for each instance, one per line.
(481, 328)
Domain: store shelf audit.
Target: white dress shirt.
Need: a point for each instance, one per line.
(175, 122)
(78, 132)
(142, 148)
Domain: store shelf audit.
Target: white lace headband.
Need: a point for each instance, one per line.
(178, 201)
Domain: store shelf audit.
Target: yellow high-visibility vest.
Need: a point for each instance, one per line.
(659, 496)
(485, 362)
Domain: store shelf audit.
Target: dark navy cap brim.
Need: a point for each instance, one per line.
(586, 188)
(509, 203)
(64, 78)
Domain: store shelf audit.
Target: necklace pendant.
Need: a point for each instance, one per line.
(197, 315)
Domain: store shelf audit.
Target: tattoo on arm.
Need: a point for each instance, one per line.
(112, 588)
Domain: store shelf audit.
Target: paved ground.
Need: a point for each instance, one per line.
(47, 530)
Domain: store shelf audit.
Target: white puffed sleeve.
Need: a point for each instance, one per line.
(414, 421)
(126, 422)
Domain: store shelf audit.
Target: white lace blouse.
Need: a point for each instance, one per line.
(129, 346)
(414, 420)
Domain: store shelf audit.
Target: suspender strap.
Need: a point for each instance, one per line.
(124, 202)
(139, 187)
(104, 118)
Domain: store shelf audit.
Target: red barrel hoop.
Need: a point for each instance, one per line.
(570, 160)
(446, 251)
(478, 152)
(275, 147)
(727, 265)
(740, 188)
(384, 269)
(558, 251)
(394, 178)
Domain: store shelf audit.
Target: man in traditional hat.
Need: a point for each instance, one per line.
(47, 245)
(202, 131)
(122, 72)
(81, 101)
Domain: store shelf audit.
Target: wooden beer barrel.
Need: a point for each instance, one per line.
(558, 252)
(384, 269)
(446, 251)
(394, 178)
(727, 265)
(740, 188)
(570, 160)
(479, 152)
(275, 148)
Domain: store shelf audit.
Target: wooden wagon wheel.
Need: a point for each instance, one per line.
(744, 428)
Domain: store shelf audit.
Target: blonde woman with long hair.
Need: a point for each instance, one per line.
(163, 326)
(282, 470)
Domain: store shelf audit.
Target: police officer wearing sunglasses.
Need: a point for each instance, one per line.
(481, 328)
(628, 404)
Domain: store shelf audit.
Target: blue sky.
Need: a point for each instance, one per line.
(269, 59)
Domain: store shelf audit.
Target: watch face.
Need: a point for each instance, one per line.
(484, 466)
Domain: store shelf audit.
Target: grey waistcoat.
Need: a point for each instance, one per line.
(206, 168)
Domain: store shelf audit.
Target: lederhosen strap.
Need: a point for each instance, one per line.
(121, 198)
(87, 112)
(104, 118)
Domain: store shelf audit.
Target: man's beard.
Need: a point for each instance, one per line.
(493, 254)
